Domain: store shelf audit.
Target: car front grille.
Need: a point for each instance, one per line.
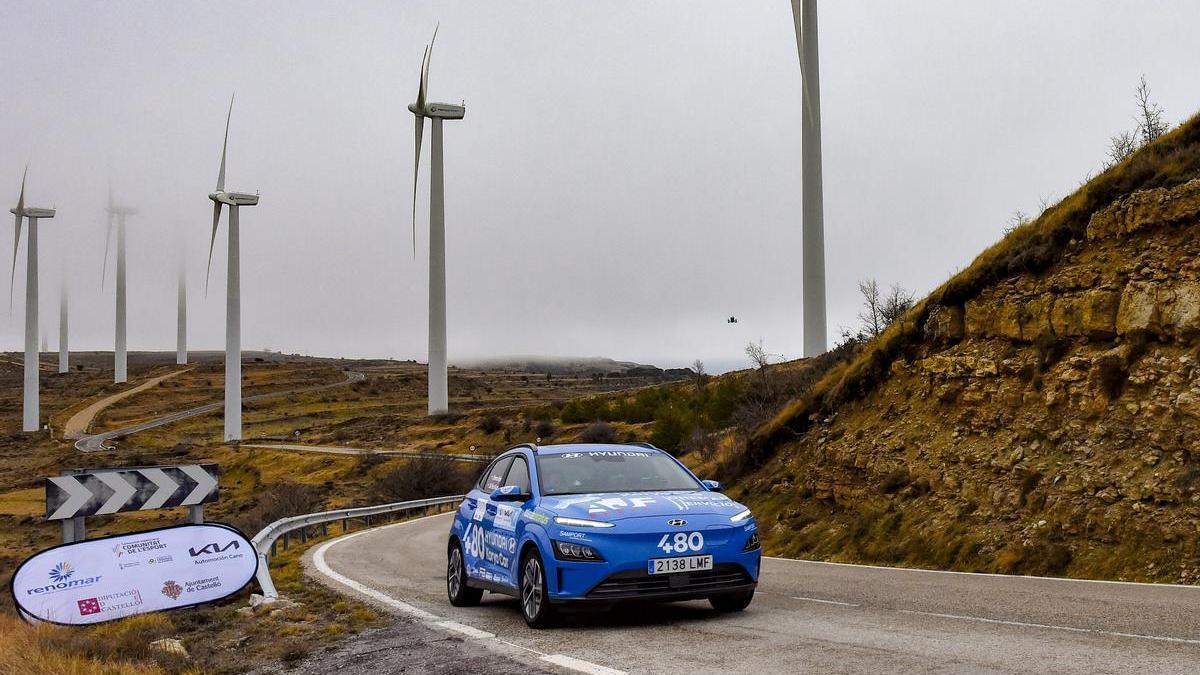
(637, 583)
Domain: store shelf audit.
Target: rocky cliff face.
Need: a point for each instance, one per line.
(1050, 424)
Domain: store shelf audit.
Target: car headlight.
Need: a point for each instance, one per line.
(579, 522)
(741, 516)
(565, 550)
(752, 543)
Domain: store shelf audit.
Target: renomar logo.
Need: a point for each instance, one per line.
(61, 572)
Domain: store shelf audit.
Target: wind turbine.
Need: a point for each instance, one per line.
(233, 298)
(30, 420)
(804, 14)
(436, 112)
(119, 213)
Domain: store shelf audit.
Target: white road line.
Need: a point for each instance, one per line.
(984, 574)
(581, 666)
(824, 602)
(465, 629)
(1071, 629)
(435, 621)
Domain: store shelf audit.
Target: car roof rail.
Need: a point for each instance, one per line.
(644, 444)
(532, 447)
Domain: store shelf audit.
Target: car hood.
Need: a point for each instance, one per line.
(608, 506)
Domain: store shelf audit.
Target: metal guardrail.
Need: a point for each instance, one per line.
(264, 542)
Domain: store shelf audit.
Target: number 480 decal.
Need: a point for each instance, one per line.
(681, 542)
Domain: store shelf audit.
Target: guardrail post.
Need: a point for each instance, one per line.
(285, 540)
(345, 524)
(304, 535)
(368, 520)
(272, 548)
(324, 529)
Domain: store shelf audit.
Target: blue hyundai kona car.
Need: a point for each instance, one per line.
(590, 523)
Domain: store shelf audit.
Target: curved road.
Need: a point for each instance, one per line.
(77, 426)
(807, 616)
(95, 442)
(342, 450)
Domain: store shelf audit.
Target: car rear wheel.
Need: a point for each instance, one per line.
(459, 593)
(731, 602)
(535, 601)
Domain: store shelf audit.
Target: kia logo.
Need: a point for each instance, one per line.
(677, 522)
(213, 548)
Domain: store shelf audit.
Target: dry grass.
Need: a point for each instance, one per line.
(50, 650)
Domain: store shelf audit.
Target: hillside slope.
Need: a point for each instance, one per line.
(1039, 413)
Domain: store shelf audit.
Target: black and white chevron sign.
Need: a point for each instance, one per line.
(97, 492)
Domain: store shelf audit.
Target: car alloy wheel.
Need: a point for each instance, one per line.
(454, 572)
(532, 588)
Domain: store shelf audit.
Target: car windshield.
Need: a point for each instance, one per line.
(591, 471)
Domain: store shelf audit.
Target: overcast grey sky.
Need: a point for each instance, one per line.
(627, 175)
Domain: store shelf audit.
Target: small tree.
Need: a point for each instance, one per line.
(700, 376)
(1121, 146)
(879, 310)
(758, 356)
(1150, 115)
(871, 316)
(896, 303)
(1017, 219)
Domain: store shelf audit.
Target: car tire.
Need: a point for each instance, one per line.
(533, 597)
(731, 602)
(460, 594)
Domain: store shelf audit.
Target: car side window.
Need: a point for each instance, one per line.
(518, 474)
(495, 475)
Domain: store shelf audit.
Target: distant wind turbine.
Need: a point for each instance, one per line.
(30, 419)
(804, 14)
(233, 298)
(64, 354)
(119, 214)
(181, 354)
(438, 377)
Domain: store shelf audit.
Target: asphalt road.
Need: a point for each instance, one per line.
(807, 616)
(342, 450)
(96, 442)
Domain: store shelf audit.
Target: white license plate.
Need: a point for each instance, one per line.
(687, 563)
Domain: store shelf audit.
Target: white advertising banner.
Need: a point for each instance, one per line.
(113, 577)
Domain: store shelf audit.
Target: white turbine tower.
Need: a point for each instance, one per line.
(30, 420)
(804, 13)
(439, 401)
(118, 213)
(64, 354)
(181, 354)
(233, 299)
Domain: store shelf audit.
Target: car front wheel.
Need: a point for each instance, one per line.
(459, 593)
(535, 601)
(731, 602)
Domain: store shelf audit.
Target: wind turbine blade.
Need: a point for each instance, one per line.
(212, 242)
(107, 239)
(416, 168)
(12, 278)
(21, 199)
(224, 147)
(425, 70)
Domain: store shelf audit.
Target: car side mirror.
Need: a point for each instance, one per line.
(712, 485)
(509, 493)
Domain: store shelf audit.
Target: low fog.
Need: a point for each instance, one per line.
(626, 178)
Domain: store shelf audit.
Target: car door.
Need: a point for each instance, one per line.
(503, 533)
(475, 533)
